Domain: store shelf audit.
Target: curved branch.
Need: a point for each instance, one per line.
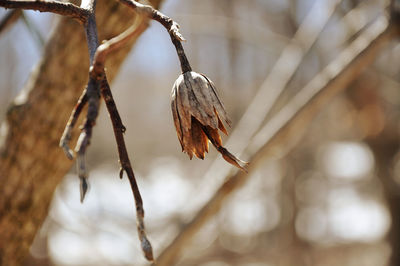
(171, 26)
(60, 8)
(114, 44)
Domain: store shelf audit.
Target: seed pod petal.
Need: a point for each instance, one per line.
(197, 139)
(183, 108)
(217, 102)
(213, 136)
(200, 109)
(203, 96)
(175, 115)
(221, 125)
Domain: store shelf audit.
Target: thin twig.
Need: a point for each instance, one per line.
(171, 26)
(154, 14)
(87, 10)
(284, 127)
(66, 136)
(91, 28)
(114, 44)
(93, 95)
(125, 163)
(98, 80)
(97, 73)
(57, 7)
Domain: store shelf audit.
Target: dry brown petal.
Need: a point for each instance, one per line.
(188, 146)
(177, 119)
(213, 136)
(217, 102)
(232, 159)
(198, 141)
(221, 125)
(183, 104)
(200, 103)
(215, 139)
(203, 95)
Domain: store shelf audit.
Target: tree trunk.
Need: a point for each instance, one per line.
(31, 163)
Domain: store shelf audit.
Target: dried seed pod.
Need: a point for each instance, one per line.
(198, 114)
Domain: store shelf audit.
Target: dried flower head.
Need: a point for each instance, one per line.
(198, 114)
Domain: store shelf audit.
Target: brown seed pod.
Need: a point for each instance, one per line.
(198, 114)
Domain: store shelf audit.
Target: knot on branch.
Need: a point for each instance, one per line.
(174, 31)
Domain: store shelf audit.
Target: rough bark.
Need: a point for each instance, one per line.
(31, 163)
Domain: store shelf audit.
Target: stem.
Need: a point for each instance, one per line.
(91, 28)
(171, 26)
(185, 66)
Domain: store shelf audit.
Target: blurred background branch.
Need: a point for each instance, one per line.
(288, 126)
(9, 19)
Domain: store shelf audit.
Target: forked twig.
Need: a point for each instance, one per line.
(86, 15)
(66, 136)
(98, 80)
(97, 70)
(90, 95)
(97, 73)
(93, 95)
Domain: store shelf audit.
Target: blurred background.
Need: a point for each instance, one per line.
(331, 200)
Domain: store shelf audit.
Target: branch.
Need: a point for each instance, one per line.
(171, 26)
(284, 127)
(126, 166)
(98, 81)
(97, 73)
(11, 17)
(93, 94)
(148, 11)
(27, 184)
(112, 45)
(60, 8)
(66, 136)
(91, 28)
